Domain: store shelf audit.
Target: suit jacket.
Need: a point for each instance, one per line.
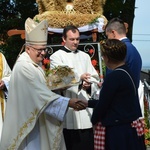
(133, 61)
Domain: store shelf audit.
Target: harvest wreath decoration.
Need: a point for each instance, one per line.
(59, 77)
(60, 13)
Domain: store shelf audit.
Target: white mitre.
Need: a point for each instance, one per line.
(36, 33)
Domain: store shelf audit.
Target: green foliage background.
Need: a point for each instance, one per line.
(12, 16)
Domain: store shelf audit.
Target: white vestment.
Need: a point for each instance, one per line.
(29, 109)
(81, 63)
(141, 97)
(6, 72)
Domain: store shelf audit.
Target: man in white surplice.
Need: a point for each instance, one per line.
(5, 73)
(34, 114)
(78, 132)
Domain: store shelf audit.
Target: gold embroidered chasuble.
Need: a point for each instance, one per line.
(26, 108)
(5, 73)
(2, 97)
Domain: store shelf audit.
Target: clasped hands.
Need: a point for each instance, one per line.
(78, 104)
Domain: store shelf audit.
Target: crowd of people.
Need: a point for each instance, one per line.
(37, 118)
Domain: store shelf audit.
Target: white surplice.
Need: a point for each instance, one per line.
(81, 63)
(29, 122)
(141, 97)
(6, 72)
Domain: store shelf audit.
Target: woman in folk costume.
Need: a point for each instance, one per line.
(5, 73)
(34, 114)
(116, 113)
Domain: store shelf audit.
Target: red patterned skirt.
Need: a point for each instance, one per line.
(99, 133)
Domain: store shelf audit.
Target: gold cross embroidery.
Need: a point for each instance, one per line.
(45, 28)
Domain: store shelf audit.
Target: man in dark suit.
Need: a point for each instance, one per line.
(115, 29)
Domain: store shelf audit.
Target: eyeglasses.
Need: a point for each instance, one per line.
(39, 50)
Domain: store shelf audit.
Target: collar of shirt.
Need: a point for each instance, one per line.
(68, 50)
(123, 38)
